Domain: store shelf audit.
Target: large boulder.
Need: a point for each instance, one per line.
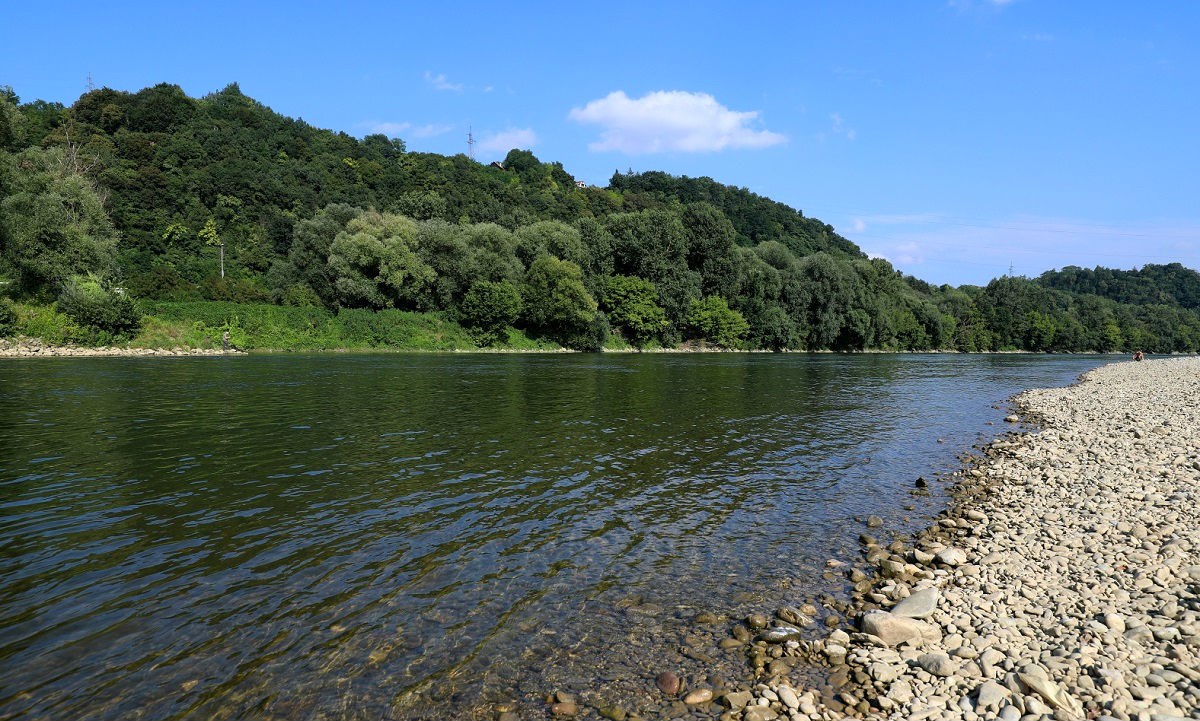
(894, 630)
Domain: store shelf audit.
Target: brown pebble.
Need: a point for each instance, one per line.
(668, 683)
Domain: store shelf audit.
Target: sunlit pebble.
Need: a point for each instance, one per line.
(337, 628)
(189, 685)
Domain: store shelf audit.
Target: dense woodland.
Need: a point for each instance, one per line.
(125, 204)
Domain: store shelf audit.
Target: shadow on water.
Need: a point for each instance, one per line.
(423, 536)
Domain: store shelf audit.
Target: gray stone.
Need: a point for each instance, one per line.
(779, 634)
(883, 672)
(938, 664)
(894, 630)
(990, 695)
(921, 604)
(952, 557)
(787, 696)
(737, 700)
(759, 713)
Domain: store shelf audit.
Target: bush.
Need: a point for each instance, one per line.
(489, 309)
(90, 304)
(8, 318)
(713, 320)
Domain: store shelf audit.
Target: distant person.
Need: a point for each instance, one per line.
(1137, 355)
(225, 343)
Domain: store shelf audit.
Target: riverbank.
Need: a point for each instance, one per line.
(35, 348)
(1063, 581)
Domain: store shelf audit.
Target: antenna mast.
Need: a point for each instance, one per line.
(470, 143)
(90, 85)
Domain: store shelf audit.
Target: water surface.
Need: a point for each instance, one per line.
(423, 536)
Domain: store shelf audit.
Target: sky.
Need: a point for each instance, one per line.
(961, 139)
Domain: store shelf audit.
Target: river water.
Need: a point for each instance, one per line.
(426, 536)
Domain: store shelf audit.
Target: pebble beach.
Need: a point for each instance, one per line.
(1063, 581)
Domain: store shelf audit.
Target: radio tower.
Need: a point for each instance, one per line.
(470, 143)
(90, 85)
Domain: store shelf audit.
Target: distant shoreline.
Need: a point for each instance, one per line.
(24, 347)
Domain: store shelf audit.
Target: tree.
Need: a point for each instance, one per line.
(488, 309)
(374, 264)
(556, 302)
(712, 319)
(209, 235)
(52, 222)
(550, 237)
(630, 305)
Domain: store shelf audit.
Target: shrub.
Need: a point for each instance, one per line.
(712, 319)
(90, 304)
(489, 309)
(8, 318)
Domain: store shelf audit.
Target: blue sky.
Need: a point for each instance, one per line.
(953, 138)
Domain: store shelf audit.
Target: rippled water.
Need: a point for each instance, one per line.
(396, 536)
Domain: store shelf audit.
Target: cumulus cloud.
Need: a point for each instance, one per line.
(671, 121)
(393, 130)
(439, 82)
(506, 140)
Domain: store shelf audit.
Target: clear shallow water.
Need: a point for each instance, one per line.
(395, 536)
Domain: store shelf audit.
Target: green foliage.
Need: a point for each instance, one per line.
(88, 302)
(291, 212)
(48, 324)
(490, 309)
(629, 303)
(711, 319)
(52, 221)
(8, 318)
(374, 263)
(557, 304)
(273, 327)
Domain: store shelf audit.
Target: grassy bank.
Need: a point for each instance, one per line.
(200, 324)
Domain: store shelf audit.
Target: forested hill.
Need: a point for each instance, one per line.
(1170, 284)
(162, 198)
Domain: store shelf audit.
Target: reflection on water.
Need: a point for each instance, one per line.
(422, 536)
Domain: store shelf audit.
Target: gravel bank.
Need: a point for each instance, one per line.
(33, 348)
(1062, 583)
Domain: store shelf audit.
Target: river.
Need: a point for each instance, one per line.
(425, 536)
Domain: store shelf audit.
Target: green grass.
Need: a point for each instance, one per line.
(266, 327)
(273, 327)
(45, 322)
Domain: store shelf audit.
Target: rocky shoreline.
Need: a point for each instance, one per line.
(34, 348)
(1062, 582)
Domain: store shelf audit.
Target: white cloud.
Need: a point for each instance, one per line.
(840, 127)
(393, 130)
(439, 82)
(506, 140)
(670, 121)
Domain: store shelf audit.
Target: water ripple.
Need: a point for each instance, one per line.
(398, 536)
